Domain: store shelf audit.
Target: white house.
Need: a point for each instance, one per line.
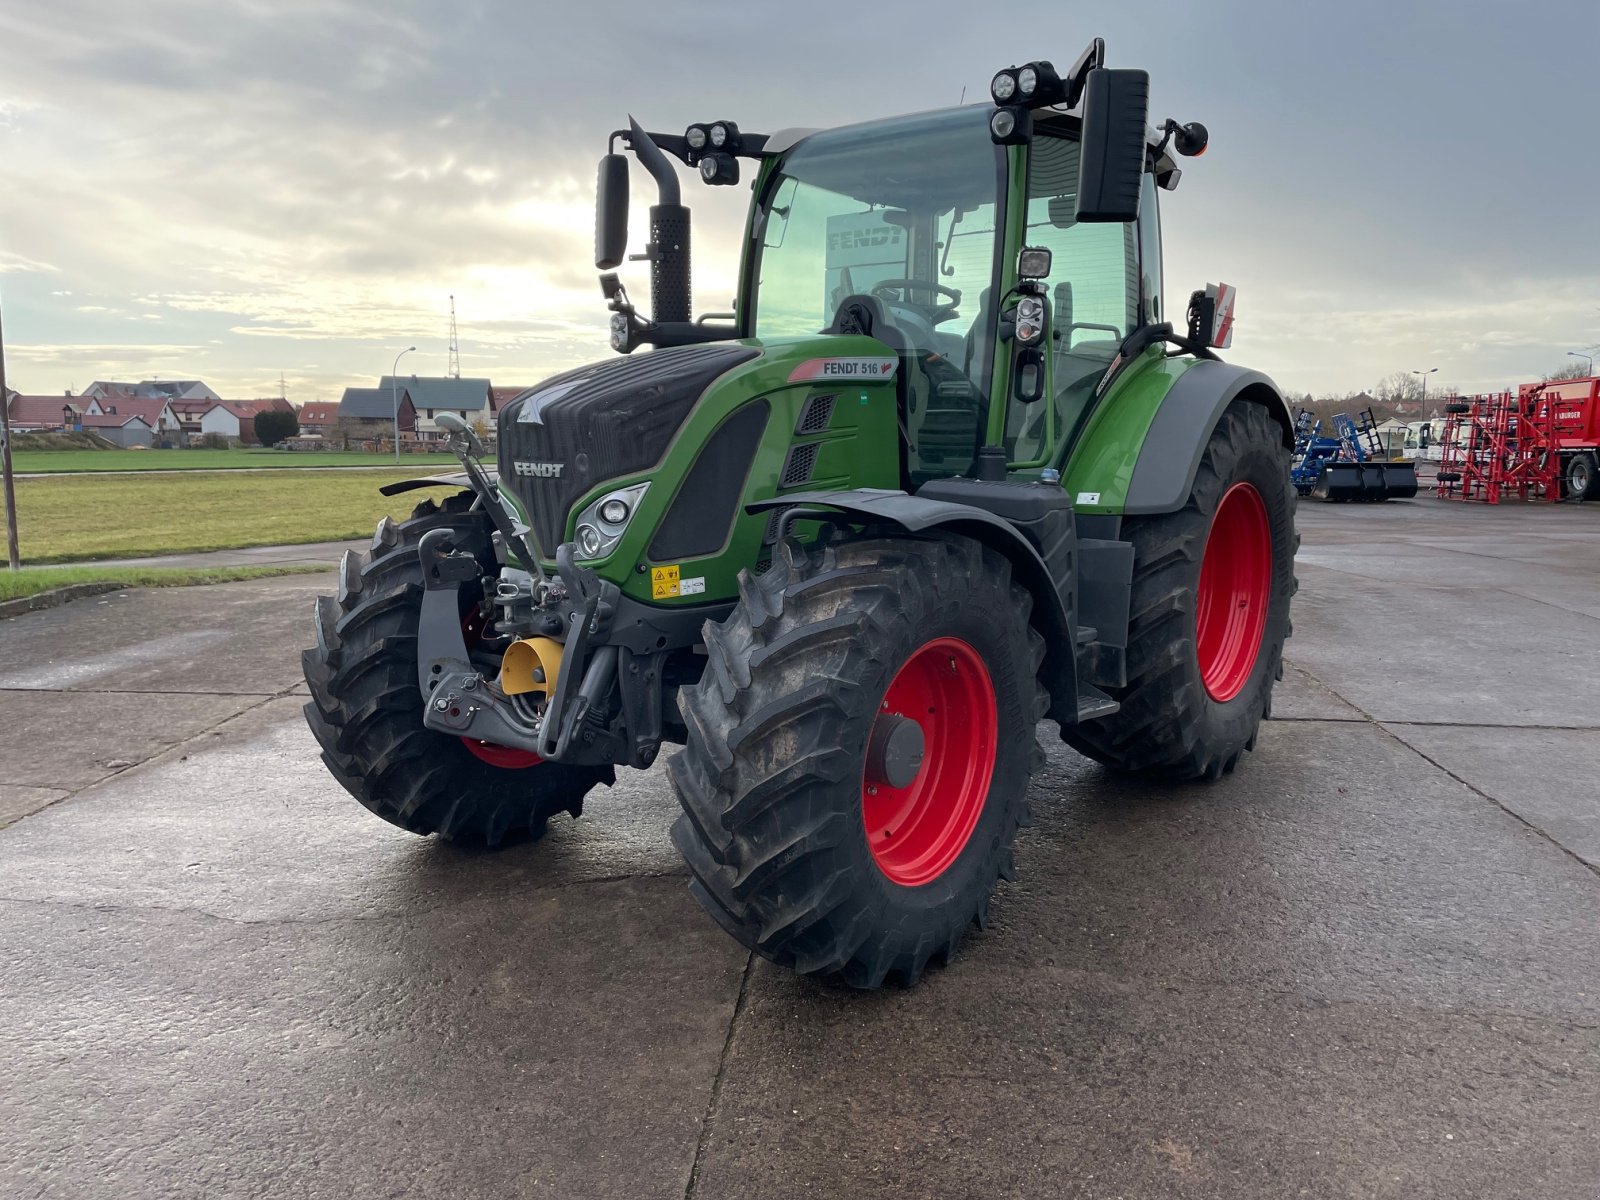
(432, 396)
(156, 413)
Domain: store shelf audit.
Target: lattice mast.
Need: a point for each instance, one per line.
(455, 346)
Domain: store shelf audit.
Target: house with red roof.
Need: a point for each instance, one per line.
(156, 412)
(42, 412)
(319, 416)
(236, 419)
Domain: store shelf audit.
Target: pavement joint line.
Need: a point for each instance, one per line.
(703, 1142)
(1384, 729)
(1487, 725)
(1432, 586)
(82, 691)
(171, 749)
(133, 910)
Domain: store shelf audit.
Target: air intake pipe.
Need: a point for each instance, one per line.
(669, 233)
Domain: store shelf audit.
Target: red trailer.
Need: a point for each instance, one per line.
(1572, 409)
(1540, 443)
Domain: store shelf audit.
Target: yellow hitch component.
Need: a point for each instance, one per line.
(531, 665)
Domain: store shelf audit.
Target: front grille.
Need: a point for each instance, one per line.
(802, 460)
(599, 422)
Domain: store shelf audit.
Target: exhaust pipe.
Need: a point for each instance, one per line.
(668, 250)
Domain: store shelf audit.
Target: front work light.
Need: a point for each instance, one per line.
(1035, 84)
(1033, 262)
(719, 168)
(695, 136)
(1010, 126)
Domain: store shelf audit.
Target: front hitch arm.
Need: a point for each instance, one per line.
(458, 699)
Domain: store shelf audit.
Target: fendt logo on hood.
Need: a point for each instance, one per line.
(539, 470)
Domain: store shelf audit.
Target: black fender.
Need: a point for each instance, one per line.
(455, 479)
(1163, 473)
(1053, 591)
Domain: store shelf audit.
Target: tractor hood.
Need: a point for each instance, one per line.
(562, 437)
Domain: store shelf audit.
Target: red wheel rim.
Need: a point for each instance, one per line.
(915, 832)
(1235, 591)
(474, 628)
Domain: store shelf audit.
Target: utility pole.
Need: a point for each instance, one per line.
(13, 552)
(1422, 408)
(394, 396)
(455, 347)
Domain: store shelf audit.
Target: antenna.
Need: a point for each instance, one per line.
(455, 346)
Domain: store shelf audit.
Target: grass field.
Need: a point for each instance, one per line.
(29, 461)
(32, 580)
(72, 518)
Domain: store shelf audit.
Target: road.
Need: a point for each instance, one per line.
(1367, 964)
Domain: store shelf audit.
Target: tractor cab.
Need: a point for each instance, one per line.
(1003, 254)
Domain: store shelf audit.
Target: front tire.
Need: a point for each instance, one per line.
(1209, 614)
(366, 711)
(858, 754)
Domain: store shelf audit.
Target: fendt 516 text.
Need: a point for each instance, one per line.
(947, 469)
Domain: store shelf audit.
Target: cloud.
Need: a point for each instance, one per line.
(267, 181)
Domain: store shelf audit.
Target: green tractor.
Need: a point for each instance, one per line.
(945, 470)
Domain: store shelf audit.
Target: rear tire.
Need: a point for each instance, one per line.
(1583, 478)
(1198, 690)
(366, 711)
(790, 837)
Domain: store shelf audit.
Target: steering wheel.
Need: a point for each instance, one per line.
(935, 312)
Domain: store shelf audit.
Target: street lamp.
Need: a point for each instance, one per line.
(1586, 357)
(394, 391)
(1422, 405)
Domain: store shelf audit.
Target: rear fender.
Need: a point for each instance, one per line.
(1169, 457)
(1053, 614)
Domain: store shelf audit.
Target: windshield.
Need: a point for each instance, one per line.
(899, 220)
(853, 210)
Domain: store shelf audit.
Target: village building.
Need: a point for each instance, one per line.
(368, 414)
(432, 396)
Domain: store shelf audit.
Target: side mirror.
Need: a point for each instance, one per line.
(611, 213)
(1111, 164)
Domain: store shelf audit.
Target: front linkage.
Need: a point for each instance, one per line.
(577, 642)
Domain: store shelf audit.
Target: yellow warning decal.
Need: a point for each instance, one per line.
(663, 582)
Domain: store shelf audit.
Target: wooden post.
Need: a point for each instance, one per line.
(12, 550)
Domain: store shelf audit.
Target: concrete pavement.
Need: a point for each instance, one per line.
(1368, 964)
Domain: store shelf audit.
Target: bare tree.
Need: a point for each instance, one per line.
(1572, 370)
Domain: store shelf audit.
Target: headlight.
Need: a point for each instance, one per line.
(589, 541)
(620, 333)
(719, 135)
(1003, 123)
(1003, 87)
(696, 137)
(601, 525)
(1027, 80)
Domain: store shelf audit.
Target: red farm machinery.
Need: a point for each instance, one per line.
(1541, 442)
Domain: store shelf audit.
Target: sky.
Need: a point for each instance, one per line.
(243, 190)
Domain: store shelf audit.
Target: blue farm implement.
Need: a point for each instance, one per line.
(1348, 465)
